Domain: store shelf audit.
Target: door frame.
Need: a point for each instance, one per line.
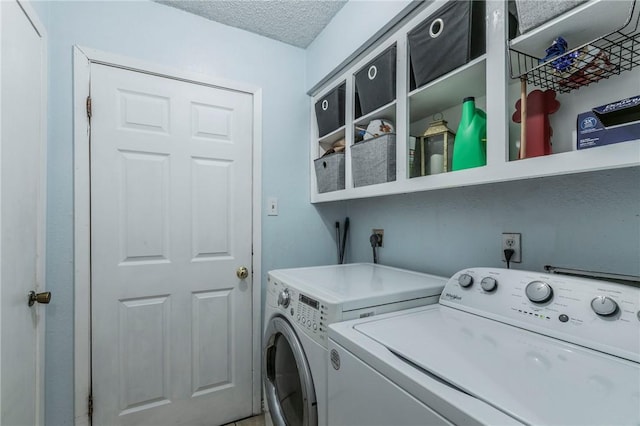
(82, 59)
(35, 21)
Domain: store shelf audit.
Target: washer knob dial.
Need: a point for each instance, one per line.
(465, 280)
(539, 291)
(488, 284)
(284, 298)
(604, 305)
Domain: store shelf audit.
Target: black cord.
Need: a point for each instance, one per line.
(508, 254)
(344, 240)
(374, 239)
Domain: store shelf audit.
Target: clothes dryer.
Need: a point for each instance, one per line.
(501, 347)
(301, 303)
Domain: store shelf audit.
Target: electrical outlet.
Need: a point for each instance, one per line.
(511, 241)
(380, 232)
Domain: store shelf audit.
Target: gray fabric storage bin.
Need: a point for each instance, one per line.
(376, 82)
(374, 160)
(532, 13)
(330, 110)
(446, 40)
(330, 172)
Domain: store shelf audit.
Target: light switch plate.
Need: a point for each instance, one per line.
(272, 206)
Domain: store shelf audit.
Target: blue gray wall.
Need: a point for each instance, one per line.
(586, 221)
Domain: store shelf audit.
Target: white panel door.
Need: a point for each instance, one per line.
(22, 173)
(170, 224)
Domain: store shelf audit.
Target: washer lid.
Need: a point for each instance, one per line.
(533, 378)
(361, 285)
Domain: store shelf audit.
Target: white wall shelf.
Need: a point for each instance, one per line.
(449, 90)
(606, 47)
(329, 139)
(488, 79)
(386, 111)
(578, 26)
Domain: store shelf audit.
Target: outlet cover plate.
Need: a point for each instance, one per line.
(512, 240)
(381, 233)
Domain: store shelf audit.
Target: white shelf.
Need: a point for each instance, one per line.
(592, 159)
(386, 111)
(330, 138)
(577, 26)
(449, 90)
(487, 78)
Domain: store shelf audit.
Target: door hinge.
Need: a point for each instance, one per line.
(88, 106)
(90, 408)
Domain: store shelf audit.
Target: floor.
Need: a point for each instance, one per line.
(249, 421)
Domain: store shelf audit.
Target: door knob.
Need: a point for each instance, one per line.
(43, 298)
(242, 272)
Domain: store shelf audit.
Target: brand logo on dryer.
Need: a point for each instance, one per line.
(452, 296)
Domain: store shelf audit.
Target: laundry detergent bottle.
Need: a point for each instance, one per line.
(470, 147)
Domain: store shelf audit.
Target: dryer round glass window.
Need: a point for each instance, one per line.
(287, 382)
(288, 385)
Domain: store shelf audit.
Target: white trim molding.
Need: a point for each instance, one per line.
(82, 60)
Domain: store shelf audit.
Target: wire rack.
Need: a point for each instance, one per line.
(599, 59)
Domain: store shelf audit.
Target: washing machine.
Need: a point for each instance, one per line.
(300, 305)
(502, 347)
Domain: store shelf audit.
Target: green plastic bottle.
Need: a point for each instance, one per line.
(470, 147)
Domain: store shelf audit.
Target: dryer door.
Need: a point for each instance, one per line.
(287, 378)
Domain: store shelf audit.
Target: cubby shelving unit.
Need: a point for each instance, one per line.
(488, 78)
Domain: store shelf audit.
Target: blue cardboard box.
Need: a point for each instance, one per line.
(621, 123)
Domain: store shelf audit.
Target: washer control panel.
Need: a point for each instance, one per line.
(310, 314)
(598, 314)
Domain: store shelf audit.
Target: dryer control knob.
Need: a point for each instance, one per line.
(488, 284)
(465, 280)
(284, 298)
(539, 291)
(604, 306)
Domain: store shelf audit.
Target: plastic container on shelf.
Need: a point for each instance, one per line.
(330, 110)
(470, 147)
(451, 37)
(376, 82)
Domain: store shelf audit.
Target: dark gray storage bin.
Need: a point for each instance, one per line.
(532, 13)
(330, 172)
(448, 39)
(376, 82)
(330, 110)
(374, 160)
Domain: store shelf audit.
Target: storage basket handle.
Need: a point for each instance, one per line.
(436, 28)
(373, 72)
(325, 105)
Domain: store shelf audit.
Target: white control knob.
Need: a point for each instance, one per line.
(604, 305)
(284, 298)
(465, 280)
(539, 291)
(488, 284)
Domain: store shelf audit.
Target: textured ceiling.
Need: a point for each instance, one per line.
(295, 22)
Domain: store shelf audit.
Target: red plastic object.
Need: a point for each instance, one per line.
(538, 130)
